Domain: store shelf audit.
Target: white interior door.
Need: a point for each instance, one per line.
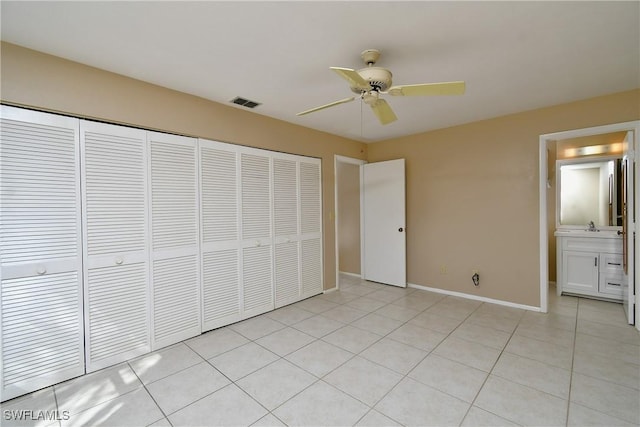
(286, 243)
(175, 263)
(41, 332)
(116, 244)
(221, 288)
(628, 229)
(256, 259)
(384, 235)
(311, 227)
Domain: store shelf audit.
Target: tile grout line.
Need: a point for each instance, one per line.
(55, 399)
(573, 357)
(151, 395)
(371, 407)
(489, 374)
(405, 376)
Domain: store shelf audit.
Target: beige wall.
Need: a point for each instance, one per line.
(472, 190)
(45, 82)
(472, 196)
(348, 176)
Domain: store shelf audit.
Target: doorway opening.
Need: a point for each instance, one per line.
(348, 217)
(547, 206)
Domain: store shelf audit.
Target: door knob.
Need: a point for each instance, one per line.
(400, 229)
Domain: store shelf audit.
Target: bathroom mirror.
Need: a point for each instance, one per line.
(589, 190)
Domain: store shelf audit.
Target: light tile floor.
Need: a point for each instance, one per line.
(374, 355)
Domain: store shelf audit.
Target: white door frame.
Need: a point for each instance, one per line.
(544, 241)
(352, 161)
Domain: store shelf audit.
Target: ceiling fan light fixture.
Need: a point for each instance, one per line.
(372, 81)
(371, 97)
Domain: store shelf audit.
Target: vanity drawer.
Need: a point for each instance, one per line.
(610, 283)
(611, 263)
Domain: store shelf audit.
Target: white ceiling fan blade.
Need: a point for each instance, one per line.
(448, 88)
(383, 112)
(322, 107)
(355, 80)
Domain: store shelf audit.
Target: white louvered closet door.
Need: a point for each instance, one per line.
(175, 263)
(256, 259)
(40, 251)
(220, 248)
(311, 227)
(116, 246)
(286, 221)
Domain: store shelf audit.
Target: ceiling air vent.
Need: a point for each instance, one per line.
(245, 102)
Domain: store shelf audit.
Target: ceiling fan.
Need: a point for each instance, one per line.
(372, 81)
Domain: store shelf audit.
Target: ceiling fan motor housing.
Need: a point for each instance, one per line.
(379, 78)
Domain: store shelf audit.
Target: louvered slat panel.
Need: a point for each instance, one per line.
(311, 267)
(38, 188)
(287, 278)
(219, 195)
(285, 197)
(115, 192)
(256, 204)
(40, 251)
(256, 274)
(41, 326)
(175, 298)
(173, 195)
(310, 197)
(220, 286)
(117, 308)
(116, 244)
(174, 239)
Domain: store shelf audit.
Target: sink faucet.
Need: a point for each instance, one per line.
(592, 226)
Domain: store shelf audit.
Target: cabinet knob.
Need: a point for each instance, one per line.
(41, 270)
(119, 261)
(258, 244)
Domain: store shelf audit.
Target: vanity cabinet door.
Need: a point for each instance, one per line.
(581, 271)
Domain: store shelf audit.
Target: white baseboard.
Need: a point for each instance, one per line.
(327, 291)
(474, 297)
(359, 276)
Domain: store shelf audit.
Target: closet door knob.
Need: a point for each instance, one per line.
(41, 270)
(400, 229)
(119, 261)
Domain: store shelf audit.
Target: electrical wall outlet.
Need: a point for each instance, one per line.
(443, 269)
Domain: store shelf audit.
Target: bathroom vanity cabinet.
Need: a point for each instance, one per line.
(590, 264)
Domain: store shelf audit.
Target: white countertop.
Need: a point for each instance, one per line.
(600, 234)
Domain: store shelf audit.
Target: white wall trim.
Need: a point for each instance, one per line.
(350, 274)
(328, 291)
(343, 159)
(474, 297)
(544, 242)
(544, 239)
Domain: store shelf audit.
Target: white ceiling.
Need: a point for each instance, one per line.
(514, 56)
